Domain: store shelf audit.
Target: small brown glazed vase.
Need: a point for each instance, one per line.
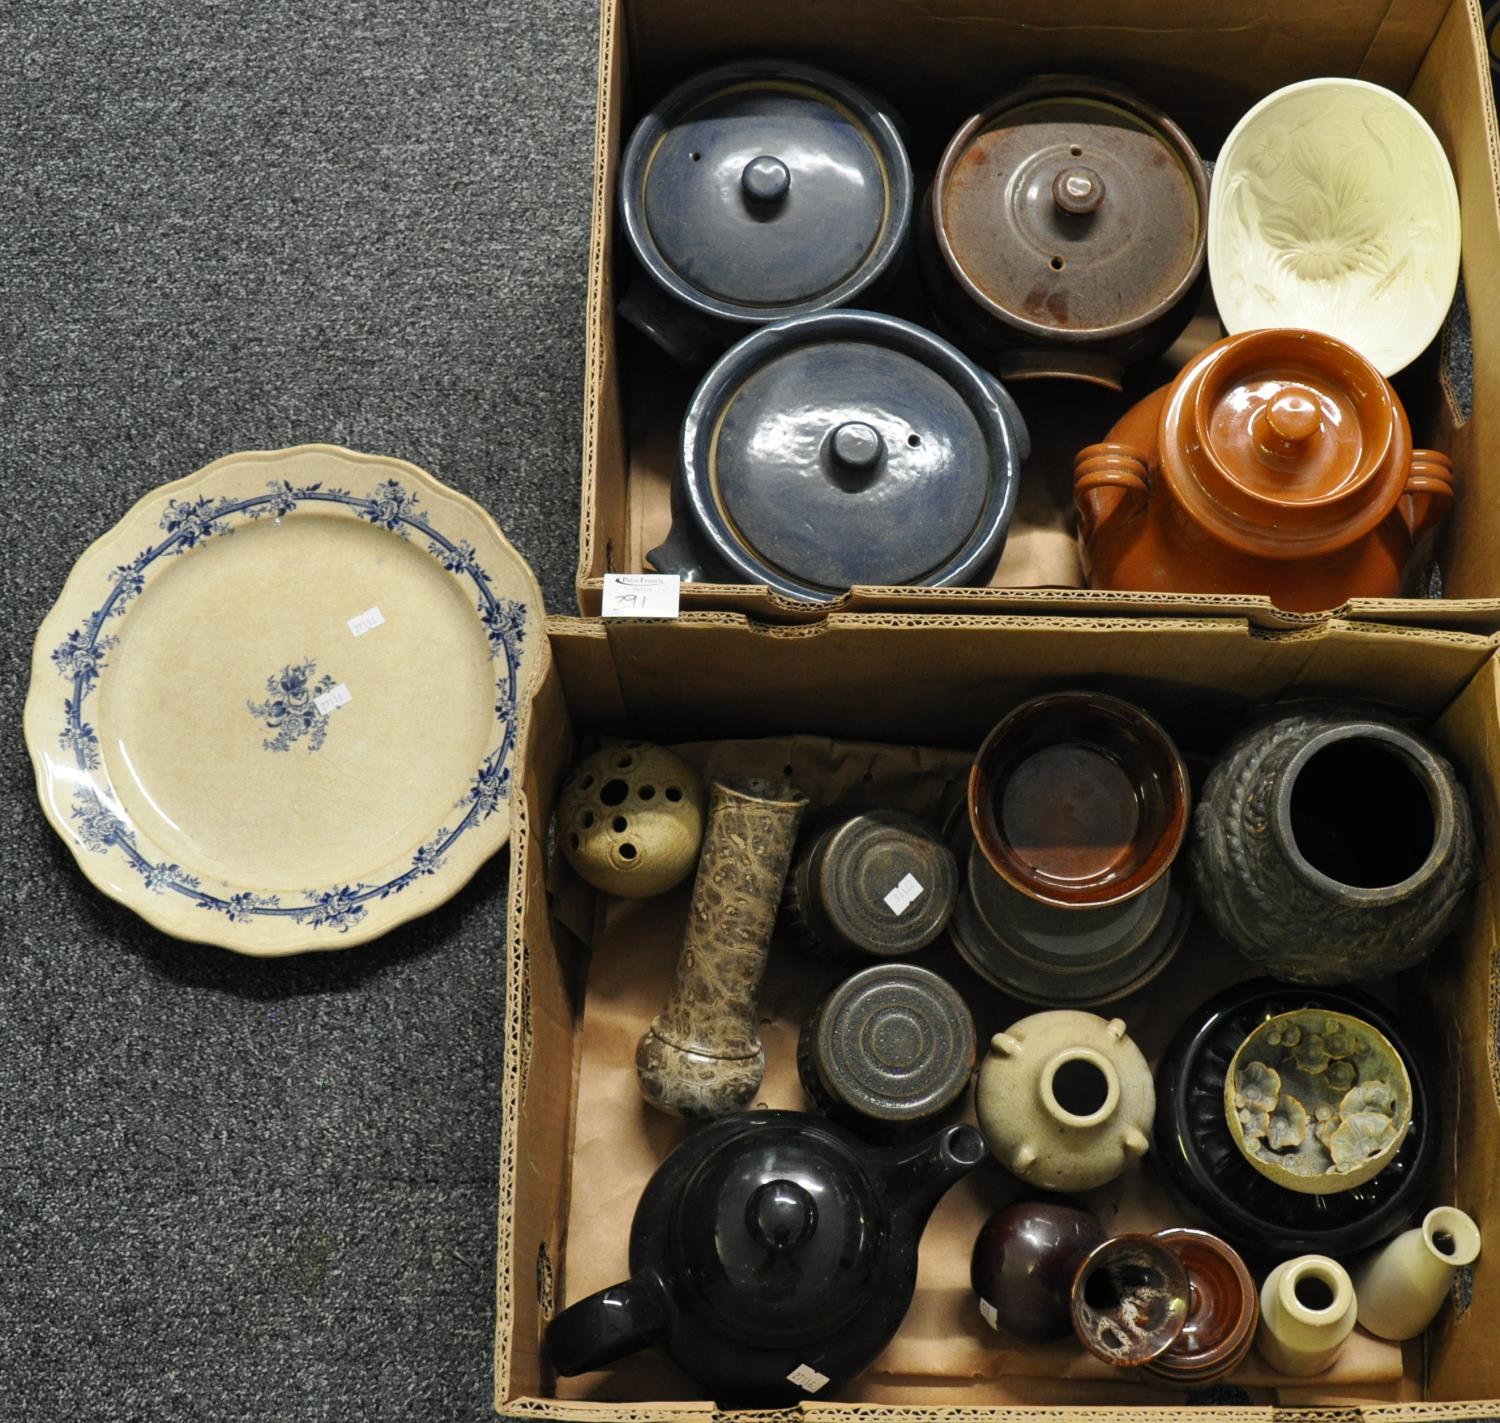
(1278, 462)
(1332, 844)
(1129, 1300)
(1078, 799)
(1065, 231)
(701, 1056)
(1023, 1265)
(1223, 1310)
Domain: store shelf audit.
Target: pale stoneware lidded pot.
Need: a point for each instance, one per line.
(1065, 1100)
(1403, 1285)
(1307, 1311)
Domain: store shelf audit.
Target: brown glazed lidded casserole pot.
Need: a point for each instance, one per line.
(1278, 462)
(1065, 232)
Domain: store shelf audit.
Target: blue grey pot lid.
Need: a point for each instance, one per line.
(851, 448)
(766, 189)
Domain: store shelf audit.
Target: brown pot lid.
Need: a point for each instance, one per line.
(1072, 210)
(1284, 443)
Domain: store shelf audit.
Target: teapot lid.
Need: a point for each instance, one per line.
(766, 189)
(851, 448)
(1072, 210)
(780, 1231)
(1285, 443)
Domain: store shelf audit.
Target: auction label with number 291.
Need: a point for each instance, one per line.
(641, 595)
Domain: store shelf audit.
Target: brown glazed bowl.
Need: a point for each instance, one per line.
(1223, 1310)
(1079, 799)
(1130, 1300)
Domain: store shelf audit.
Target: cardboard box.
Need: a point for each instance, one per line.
(941, 60)
(908, 701)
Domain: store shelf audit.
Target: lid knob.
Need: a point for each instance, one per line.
(765, 179)
(1294, 414)
(781, 1215)
(1078, 190)
(857, 445)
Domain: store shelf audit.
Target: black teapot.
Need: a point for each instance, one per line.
(773, 1255)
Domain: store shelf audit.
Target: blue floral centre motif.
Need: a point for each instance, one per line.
(291, 709)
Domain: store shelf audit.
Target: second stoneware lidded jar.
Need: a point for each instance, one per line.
(841, 449)
(1278, 462)
(1065, 231)
(754, 192)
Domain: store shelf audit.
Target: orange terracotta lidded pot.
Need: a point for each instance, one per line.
(1278, 462)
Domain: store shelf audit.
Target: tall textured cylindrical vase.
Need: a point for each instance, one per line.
(1402, 1285)
(701, 1056)
(1307, 1310)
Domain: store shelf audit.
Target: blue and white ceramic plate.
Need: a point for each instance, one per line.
(276, 707)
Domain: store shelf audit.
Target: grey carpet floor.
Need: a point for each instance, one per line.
(234, 1189)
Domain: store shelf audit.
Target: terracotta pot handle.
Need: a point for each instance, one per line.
(1429, 492)
(1110, 482)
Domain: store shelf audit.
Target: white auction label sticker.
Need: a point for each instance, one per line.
(807, 1378)
(991, 1316)
(364, 622)
(905, 894)
(332, 699)
(641, 595)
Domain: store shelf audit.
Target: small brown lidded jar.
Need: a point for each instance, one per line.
(1278, 462)
(1223, 1310)
(1065, 234)
(892, 1048)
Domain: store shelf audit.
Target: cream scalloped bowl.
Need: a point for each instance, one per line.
(1333, 209)
(235, 745)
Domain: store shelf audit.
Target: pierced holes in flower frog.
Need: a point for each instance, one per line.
(627, 851)
(1076, 151)
(1313, 1292)
(1056, 264)
(619, 824)
(646, 792)
(587, 820)
(625, 763)
(695, 156)
(585, 783)
(673, 793)
(914, 439)
(574, 840)
(614, 792)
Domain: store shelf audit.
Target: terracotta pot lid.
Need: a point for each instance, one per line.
(1072, 209)
(1285, 443)
(851, 448)
(765, 189)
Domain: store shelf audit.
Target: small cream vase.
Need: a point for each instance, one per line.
(1307, 1309)
(1402, 1286)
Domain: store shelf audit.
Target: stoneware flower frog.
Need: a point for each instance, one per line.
(841, 449)
(1278, 462)
(773, 1255)
(1065, 231)
(754, 192)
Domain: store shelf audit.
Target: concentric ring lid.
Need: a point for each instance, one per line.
(1072, 209)
(766, 189)
(850, 448)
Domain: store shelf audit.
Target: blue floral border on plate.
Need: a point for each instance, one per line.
(81, 656)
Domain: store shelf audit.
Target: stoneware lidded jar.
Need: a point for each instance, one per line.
(1402, 1286)
(1065, 1100)
(1307, 1312)
(1065, 231)
(1278, 462)
(840, 449)
(1332, 844)
(754, 192)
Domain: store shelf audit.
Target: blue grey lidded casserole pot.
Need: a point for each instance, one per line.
(841, 449)
(757, 191)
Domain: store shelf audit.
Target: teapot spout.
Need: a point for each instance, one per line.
(919, 1176)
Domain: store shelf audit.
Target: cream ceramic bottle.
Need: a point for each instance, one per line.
(1307, 1309)
(1402, 1286)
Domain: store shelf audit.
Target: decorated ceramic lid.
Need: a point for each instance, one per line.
(1072, 210)
(851, 448)
(766, 189)
(1285, 443)
(779, 1232)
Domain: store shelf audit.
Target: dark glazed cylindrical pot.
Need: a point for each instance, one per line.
(876, 882)
(701, 1056)
(843, 449)
(891, 1049)
(754, 192)
(1078, 800)
(1223, 1310)
(1023, 1265)
(1129, 1300)
(1065, 231)
(1332, 844)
